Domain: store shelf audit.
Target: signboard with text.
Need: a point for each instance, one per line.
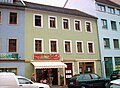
(8, 56)
(46, 56)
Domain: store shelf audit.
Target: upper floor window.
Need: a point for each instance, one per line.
(116, 43)
(111, 10)
(88, 26)
(38, 20)
(12, 45)
(106, 43)
(38, 45)
(90, 46)
(0, 17)
(79, 47)
(118, 11)
(8, 1)
(104, 23)
(13, 18)
(101, 8)
(66, 23)
(53, 44)
(77, 25)
(68, 46)
(113, 25)
(52, 22)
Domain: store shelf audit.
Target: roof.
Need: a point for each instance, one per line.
(57, 9)
(108, 2)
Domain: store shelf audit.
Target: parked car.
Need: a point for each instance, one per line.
(115, 75)
(10, 80)
(88, 80)
(115, 83)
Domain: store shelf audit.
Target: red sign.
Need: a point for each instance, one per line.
(46, 56)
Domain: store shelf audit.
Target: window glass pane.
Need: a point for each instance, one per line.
(101, 7)
(67, 46)
(53, 46)
(38, 45)
(13, 18)
(90, 47)
(12, 45)
(106, 43)
(117, 63)
(88, 26)
(52, 22)
(104, 23)
(65, 24)
(77, 25)
(113, 25)
(37, 20)
(79, 47)
(116, 43)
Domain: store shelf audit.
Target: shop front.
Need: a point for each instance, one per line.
(48, 65)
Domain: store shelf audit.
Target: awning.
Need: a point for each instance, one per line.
(41, 65)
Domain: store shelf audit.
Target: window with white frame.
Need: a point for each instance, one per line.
(0, 17)
(13, 18)
(90, 46)
(38, 45)
(67, 46)
(104, 23)
(101, 8)
(88, 25)
(116, 43)
(52, 22)
(38, 20)
(77, 25)
(79, 47)
(111, 10)
(53, 44)
(12, 45)
(106, 42)
(113, 25)
(66, 23)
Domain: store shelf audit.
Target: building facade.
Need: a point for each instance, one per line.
(12, 37)
(108, 14)
(60, 36)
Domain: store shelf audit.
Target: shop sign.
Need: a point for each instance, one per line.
(8, 56)
(46, 56)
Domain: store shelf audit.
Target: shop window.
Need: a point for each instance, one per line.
(106, 43)
(67, 46)
(12, 45)
(79, 46)
(13, 18)
(90, 47)
(116, 43)
(52, 22)
(104, 23)
(13, 70)
(117, 63)
(37, 20)
(88, 26)
(77, 25)
(66, 24)
(113, 25)
(53, 45)
(38, 45)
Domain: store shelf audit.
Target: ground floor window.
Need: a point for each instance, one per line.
(14, 70)
(117, 63)
(86, 67)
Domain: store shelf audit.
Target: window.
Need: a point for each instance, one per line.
(106, 43)
(0, 17)
(38, 20)
(53, 45)
(116, 43)
(7, 69)
(67, 46)
(90, 47)
(101, 8)
(24, 81)
(118, 11)
(66, 24)
(12, 45)
(113, 25)
(104, 23)
(38, 45)
(79, 46)
(111, 10)
(13, 18)
(52, 22)
(77, 25)
(88, 26)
